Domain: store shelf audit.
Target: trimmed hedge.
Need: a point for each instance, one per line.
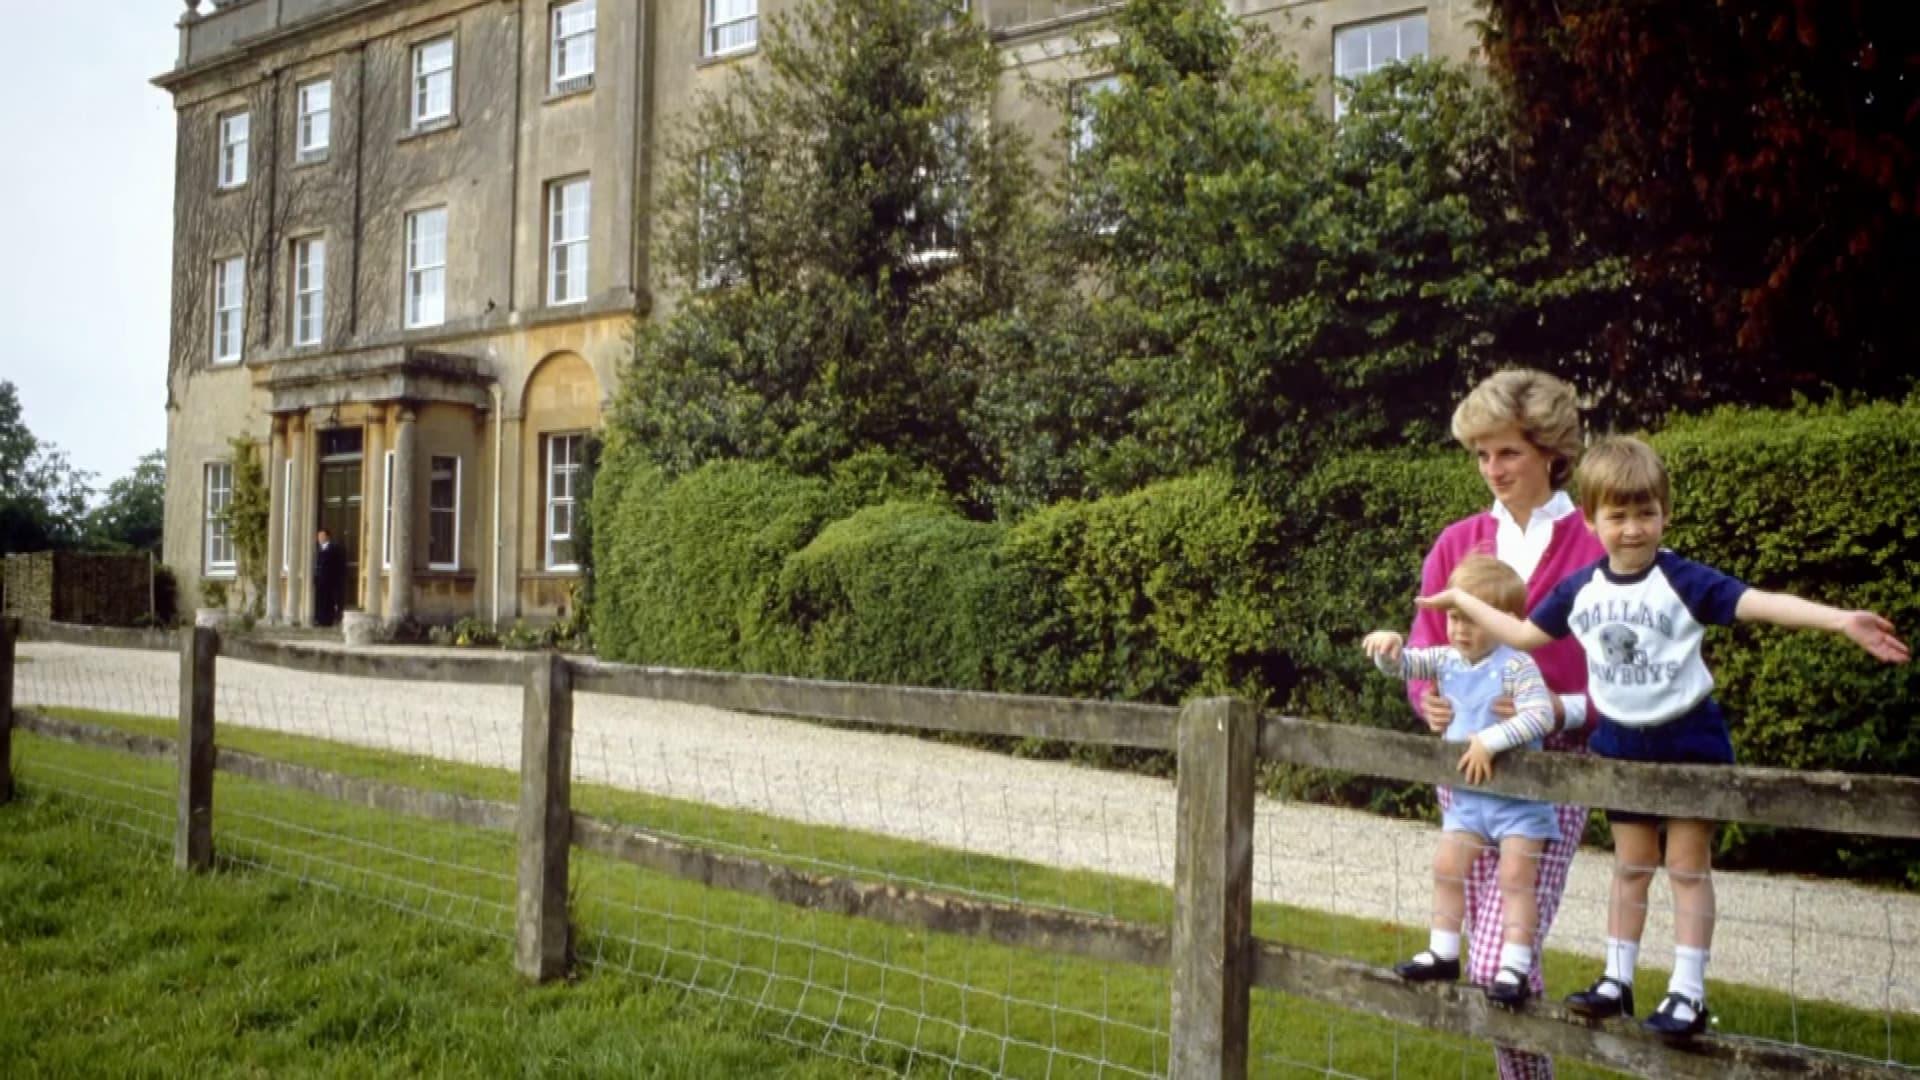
(1192, 586)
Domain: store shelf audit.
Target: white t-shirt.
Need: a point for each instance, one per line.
(1642, 633)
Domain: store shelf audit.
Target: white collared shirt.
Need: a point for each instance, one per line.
(1523, 549)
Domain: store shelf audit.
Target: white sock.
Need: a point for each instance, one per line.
(1444, 944)
(1515, 958)
(1689, 974)
(1622, 955)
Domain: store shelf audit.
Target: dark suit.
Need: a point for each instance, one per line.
(329, 583)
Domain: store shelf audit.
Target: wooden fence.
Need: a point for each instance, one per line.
(1214, 957)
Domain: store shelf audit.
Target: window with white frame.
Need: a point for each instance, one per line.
(233, 149)
(567, 202)
(443, 513)
(229, 309)
(286, 519)
(386, 512)
(563, 471)
(313, 129)
(432, 97)
(219, 495)
(1364, 48)
(570, 62)
(731, 26)
(1084, 92)
(309, 289)
(427, 267)
(937, 238)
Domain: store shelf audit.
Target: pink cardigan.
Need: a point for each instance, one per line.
(1562, 663)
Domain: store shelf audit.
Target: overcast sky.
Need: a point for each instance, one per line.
(86, 223)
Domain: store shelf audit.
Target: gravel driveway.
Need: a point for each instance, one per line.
(1815, 939)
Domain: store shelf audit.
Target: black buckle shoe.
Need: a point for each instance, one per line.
(1510, 994)
(1665, 1024)
(1426, 967)
(1594, 1005)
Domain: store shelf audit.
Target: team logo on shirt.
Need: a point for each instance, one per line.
(1621, 645)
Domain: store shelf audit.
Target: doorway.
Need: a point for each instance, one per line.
(340, 499)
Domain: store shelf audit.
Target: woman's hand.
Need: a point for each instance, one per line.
(1477, 763)
(1503, 707)
(1436, 710)
(1383, 644)
(1445, 600)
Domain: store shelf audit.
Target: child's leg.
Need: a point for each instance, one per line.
(1636, 854)
(1519, 873)
(1451, 862)
(1690, 874)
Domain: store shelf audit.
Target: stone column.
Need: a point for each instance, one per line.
(276, 517)
(401, 583)
(300, 540)
(513, 521)
(373, 510)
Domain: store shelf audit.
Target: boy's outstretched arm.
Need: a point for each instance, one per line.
(1507, 630)
(1867, 630)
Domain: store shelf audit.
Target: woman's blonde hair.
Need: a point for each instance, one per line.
(1542, 407)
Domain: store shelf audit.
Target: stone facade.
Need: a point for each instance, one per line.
(395, 288)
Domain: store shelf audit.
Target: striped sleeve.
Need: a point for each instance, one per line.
(1418, 663)
(1533, 707)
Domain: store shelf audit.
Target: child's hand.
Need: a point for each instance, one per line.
(1436, 710)
(1874, 634)
(1477, 763)
(1383, 643)
(1444, 600)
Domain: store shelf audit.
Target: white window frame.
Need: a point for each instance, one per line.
(1400, 24)
(421, 307)
(420, 90)
(567, 247)
(217, 495)
(458, 468)
(738, 33)
(286, 519)
(313, 125)
(576, 441)
(235, 150)
(563, 42)
(386, 511)
(309, 280)
(1083, 92)
(229, 309)
(943, 252)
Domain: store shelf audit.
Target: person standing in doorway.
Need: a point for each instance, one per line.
(329, 579)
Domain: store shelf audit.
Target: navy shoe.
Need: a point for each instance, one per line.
(1510, 993)
(1426, 967)
(1667, 1024)
(1594, 1005)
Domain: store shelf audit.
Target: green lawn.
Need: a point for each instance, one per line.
(852, 990)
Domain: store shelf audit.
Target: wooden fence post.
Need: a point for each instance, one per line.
(9, 633)
(1213, 889)
(193, 823)
(545, 822)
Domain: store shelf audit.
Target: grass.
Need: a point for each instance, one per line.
(851, 989)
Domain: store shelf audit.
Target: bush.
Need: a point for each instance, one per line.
(906, 593)
(688, 569)
(1152, 596)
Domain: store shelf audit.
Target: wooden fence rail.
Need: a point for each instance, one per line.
(1214, 958)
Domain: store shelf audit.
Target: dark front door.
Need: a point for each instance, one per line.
(340, 501)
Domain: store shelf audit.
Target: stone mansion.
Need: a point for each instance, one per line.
(411, 236)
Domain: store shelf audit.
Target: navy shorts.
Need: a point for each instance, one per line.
(1698, 737)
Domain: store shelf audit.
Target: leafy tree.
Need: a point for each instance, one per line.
(247, 516)
(1272, 286)
(129, 517)
(841, 222)
(1756, 161)
(43, 498)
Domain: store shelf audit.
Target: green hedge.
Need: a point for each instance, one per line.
(1191, 586)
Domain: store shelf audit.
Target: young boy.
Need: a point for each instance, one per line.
(1470, 672)
(1640, 615)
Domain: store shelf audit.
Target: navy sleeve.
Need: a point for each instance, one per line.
(1710, 595)
(1553, 613)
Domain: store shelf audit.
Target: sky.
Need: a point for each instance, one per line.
(86, 224)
